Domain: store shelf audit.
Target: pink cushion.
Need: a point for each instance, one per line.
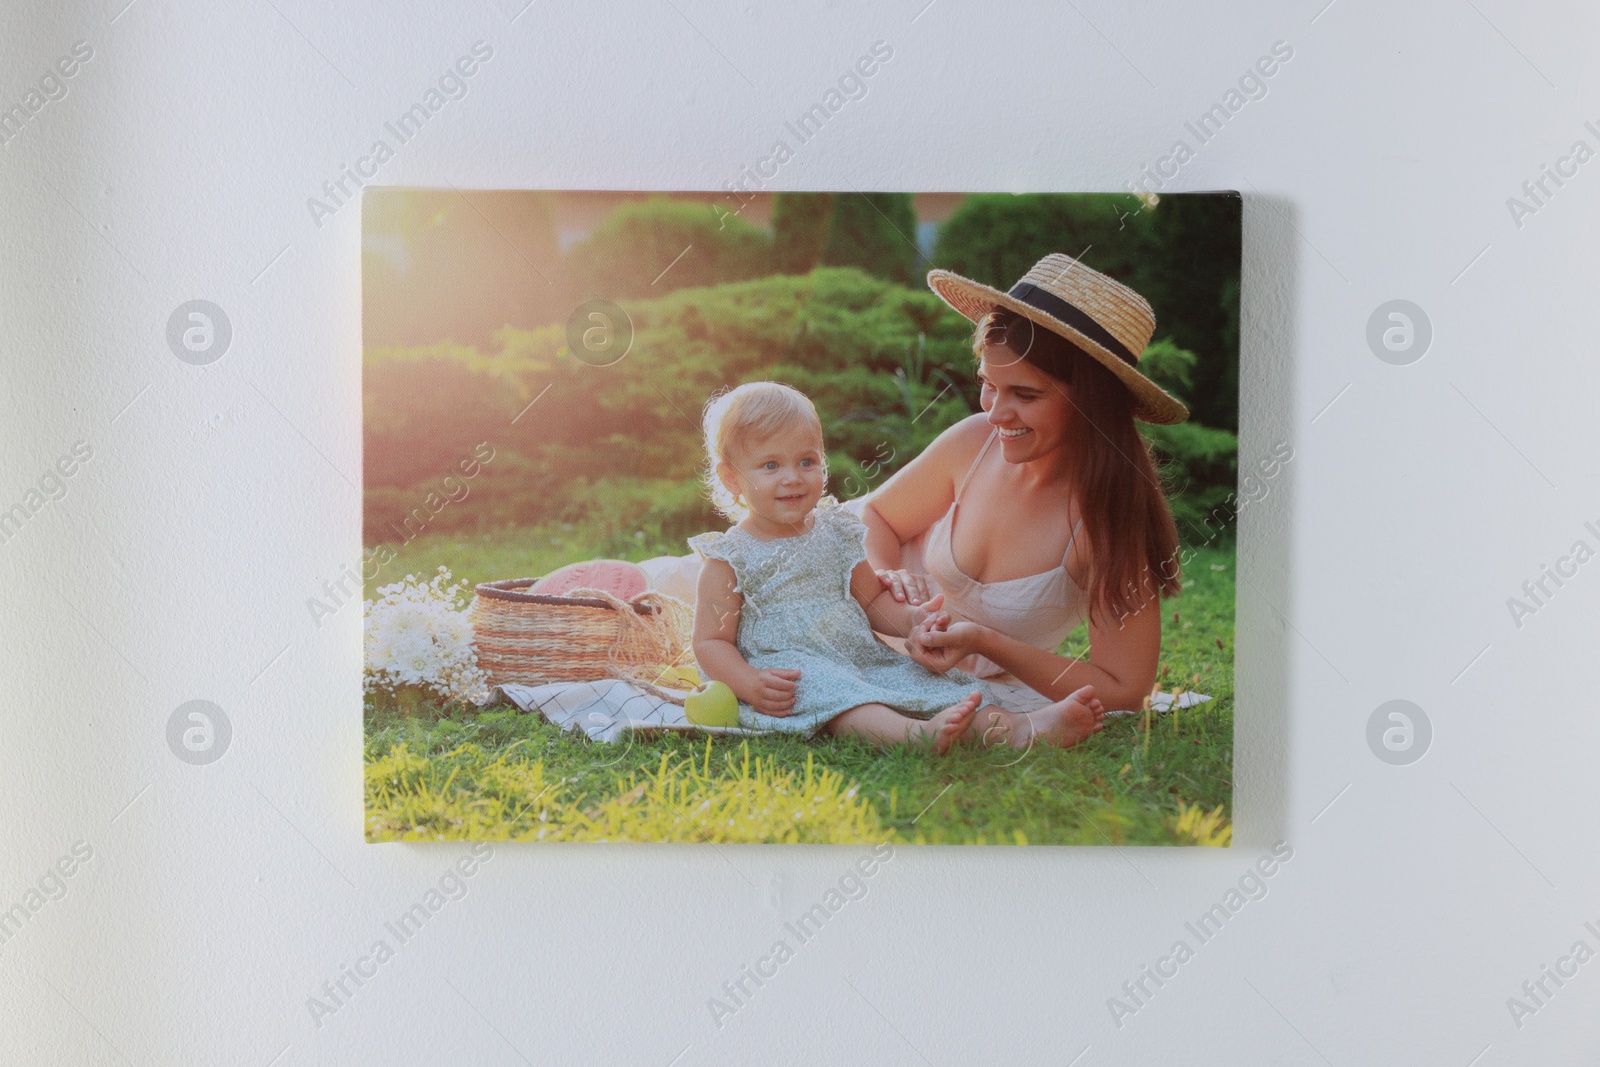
(617, 577)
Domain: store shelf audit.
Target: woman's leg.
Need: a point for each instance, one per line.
(994, 725)
(1062, 724)
(882, 725)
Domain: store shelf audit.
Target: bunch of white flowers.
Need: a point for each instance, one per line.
(418, 640)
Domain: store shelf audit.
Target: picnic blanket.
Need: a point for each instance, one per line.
(613, 710)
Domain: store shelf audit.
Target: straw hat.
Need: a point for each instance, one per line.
(1100, 315)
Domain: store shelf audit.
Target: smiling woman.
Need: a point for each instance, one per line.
(1058, 362)
(1042, 393)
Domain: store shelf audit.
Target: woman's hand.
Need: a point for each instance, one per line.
(775, 689)
(940, 642)
(907, 586)
(929, 608)
(928, 618)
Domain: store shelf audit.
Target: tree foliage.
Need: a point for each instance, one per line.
(799, 226)
(873, 231)
(618, 448)
(1181, 254)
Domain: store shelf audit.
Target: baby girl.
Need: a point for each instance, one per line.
(785, 597)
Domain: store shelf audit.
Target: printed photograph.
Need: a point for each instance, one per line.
(838, 518)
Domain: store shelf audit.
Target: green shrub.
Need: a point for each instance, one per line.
(1199, 466)
(618, 448)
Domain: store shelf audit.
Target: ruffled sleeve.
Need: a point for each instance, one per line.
(849, 533)
(721, 546)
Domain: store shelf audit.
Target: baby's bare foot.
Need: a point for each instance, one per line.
(946, 728)
(1064, 723)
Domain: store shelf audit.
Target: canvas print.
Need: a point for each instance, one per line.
(801, 517)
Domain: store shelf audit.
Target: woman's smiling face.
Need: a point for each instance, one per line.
(1031, 409)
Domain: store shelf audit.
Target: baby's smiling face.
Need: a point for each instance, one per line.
(780, 477)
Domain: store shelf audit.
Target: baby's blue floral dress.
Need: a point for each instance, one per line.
(798, 614)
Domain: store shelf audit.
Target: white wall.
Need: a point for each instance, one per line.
(218, 498)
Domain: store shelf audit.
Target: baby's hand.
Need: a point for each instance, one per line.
(907, 586)
(774, 693)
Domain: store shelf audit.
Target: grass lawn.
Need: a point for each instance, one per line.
(499, 774)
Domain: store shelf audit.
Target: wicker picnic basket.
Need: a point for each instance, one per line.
(589, 634)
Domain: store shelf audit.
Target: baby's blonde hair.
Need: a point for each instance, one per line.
(737, 418)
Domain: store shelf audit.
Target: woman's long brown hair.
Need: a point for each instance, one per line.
(1133, 541)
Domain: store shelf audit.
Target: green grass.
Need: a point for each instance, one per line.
(510, 552)
(499, 774)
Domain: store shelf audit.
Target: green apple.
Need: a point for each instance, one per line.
(712, 704)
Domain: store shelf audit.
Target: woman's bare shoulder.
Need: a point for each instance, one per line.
(958, 445)
(919, 492)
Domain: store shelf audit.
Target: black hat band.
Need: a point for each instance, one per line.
(1078, 319)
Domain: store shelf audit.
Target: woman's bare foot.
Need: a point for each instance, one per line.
(946, 728)
(1064, 723)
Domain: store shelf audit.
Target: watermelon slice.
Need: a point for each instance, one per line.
(617, 577)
